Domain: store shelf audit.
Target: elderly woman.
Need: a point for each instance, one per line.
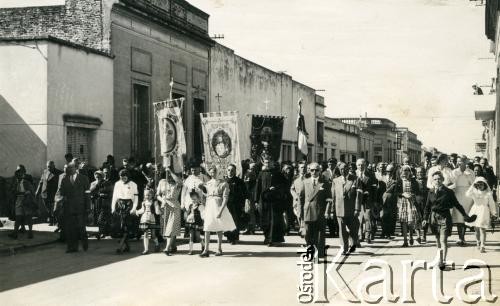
(24, 202)
(123, 206)
(101, 191)
(217, 216)
(167, 194)
(408, 215)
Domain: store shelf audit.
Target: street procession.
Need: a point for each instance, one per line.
(144, 161)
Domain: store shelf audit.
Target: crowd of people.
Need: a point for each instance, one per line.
(336, 199)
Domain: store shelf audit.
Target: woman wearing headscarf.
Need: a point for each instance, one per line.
(484, 207)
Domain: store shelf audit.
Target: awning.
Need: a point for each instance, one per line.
(485, 115)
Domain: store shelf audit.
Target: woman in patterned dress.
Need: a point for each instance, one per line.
(217, 217)
(408, 215)
(168, 193)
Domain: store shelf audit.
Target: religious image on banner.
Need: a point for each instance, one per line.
(171, 133)
(220, 140)
(265, 137)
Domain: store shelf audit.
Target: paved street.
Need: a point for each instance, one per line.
(249, 274)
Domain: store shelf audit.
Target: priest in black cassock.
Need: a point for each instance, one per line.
(271, 193)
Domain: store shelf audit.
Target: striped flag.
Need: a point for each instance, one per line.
(301, 129)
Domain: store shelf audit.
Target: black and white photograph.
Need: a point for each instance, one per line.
(236, 152)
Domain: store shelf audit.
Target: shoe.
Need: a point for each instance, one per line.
(167, 253)
(478, 245)
(174, 250)
(405, 245)
(411, 241)
(146, 252)
(424, 240)
(345, 253)
(369, 241)
(22, 230)
(57, 230)
(483, 250)
(419, 241)
(190, 253)
(218, 253)
(247, 233)
(233, 242)
(352, 249)
(12, 235)
(203, 254)
(126, 249)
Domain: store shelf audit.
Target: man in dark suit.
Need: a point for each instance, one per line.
(316, 194)
(47, 189)
(72, 191)
(366, 185)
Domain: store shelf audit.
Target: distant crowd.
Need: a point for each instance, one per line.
(357, 202)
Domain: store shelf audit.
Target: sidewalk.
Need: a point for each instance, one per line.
(43, 234)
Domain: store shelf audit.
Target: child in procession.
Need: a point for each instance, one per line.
(484, 207)
(148, 221)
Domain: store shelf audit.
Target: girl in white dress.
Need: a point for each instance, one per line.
(484, 207)
(216, 216)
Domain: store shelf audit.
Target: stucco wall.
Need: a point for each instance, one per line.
(163, 46)
(23, 106)
(79, 83)
(246, 86)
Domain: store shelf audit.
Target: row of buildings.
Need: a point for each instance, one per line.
(489, 115)
(375, 139)
(81, 76)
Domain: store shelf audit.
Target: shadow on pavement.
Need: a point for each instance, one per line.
(53, 262)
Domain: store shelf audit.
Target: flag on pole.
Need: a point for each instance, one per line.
(301, 129)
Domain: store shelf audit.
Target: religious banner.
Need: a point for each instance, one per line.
(220, 140)
(265, 137)
(171, 132)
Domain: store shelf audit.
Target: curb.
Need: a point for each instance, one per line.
(10, 251)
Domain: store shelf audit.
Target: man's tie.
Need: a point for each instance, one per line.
(72, 179)
(314, 182)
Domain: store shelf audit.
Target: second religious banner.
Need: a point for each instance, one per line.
(266, 135)
(220, 140)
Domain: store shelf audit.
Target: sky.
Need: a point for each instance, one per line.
(411, 61)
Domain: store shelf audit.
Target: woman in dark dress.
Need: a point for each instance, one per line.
(101, 191)
(24, 202)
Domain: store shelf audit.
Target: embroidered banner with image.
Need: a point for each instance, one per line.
(171, 132)
(266, 136)
(220, 140)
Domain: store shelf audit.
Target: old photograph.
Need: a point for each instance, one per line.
(236, 152)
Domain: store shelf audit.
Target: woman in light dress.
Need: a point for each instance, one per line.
(216, 216)
(167, 194)
(484, 207)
